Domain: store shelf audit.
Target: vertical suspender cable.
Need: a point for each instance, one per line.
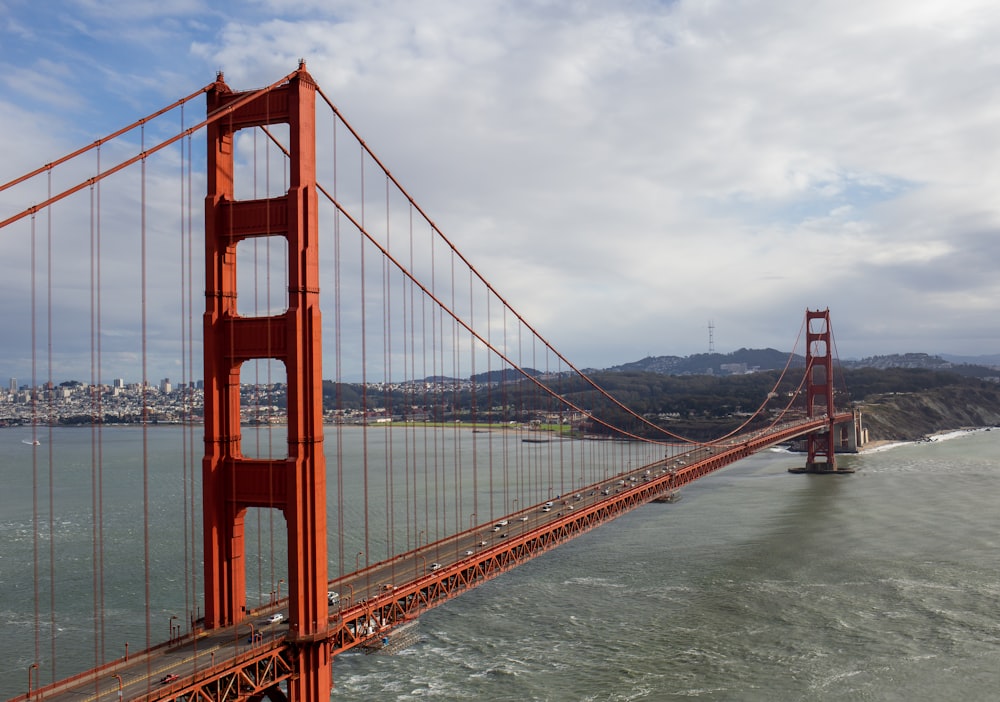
(522, 470)
(51, 459)
(182, 244)
(557, 413)
(550, 453)
(411, 443)
(490, 417)
(437, 398)
(267, 305)
(256, 398)
(192, 610)
(100, 429)
(96, 455)
(441, 453)
(338, 369)
(145, 405)
(269, 435)
(187, 374)
(425, 463)
(472, 405)
(456, 452)
(410, 379)
(95, 486)
(231, 440)
(34, 456)
(364, 371)
(387, 384)
(506, 415)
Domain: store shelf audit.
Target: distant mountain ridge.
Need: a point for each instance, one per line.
(506, 375)
(752, 360)
(735, 363)
(743, 361)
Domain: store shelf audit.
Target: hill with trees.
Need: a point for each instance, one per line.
(702, 397)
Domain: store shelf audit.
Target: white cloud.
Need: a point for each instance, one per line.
(646, 167)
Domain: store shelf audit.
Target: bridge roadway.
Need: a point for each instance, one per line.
(251, 658)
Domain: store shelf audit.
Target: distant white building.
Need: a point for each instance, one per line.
(165, 386)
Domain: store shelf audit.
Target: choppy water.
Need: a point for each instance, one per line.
(757, 585)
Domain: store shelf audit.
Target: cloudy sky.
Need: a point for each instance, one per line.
(625, 172)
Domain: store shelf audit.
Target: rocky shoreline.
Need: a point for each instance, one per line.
(884, 444)
(919, 416)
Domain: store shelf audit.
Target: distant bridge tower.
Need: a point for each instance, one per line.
(295, 485)
(819, 391)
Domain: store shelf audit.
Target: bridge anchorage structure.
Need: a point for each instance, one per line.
(821, 445)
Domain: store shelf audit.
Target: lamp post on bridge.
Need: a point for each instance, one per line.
(33, 666)
(458, 542)
(118, 677)
(278, 598)
(172, 618)
(357, 561)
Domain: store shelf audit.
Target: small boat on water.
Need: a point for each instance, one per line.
(672, 496)
(31, 442)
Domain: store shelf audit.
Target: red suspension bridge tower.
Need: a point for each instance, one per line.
(295, 485)
(819, 394)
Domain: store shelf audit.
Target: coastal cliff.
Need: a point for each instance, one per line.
(915, 415)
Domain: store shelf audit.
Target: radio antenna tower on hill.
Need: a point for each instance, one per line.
(711, 336)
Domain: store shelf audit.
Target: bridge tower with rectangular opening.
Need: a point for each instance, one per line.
(821, 455)
(232, 482)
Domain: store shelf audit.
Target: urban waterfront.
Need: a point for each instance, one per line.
(880, 585)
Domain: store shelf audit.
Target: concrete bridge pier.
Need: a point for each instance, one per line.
(853, 435)
(849, 437)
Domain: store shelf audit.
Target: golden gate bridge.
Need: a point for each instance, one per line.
(481, 446)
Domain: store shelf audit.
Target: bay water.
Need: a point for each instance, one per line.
(758, 585)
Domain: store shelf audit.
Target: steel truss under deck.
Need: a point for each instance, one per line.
(251, 676)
